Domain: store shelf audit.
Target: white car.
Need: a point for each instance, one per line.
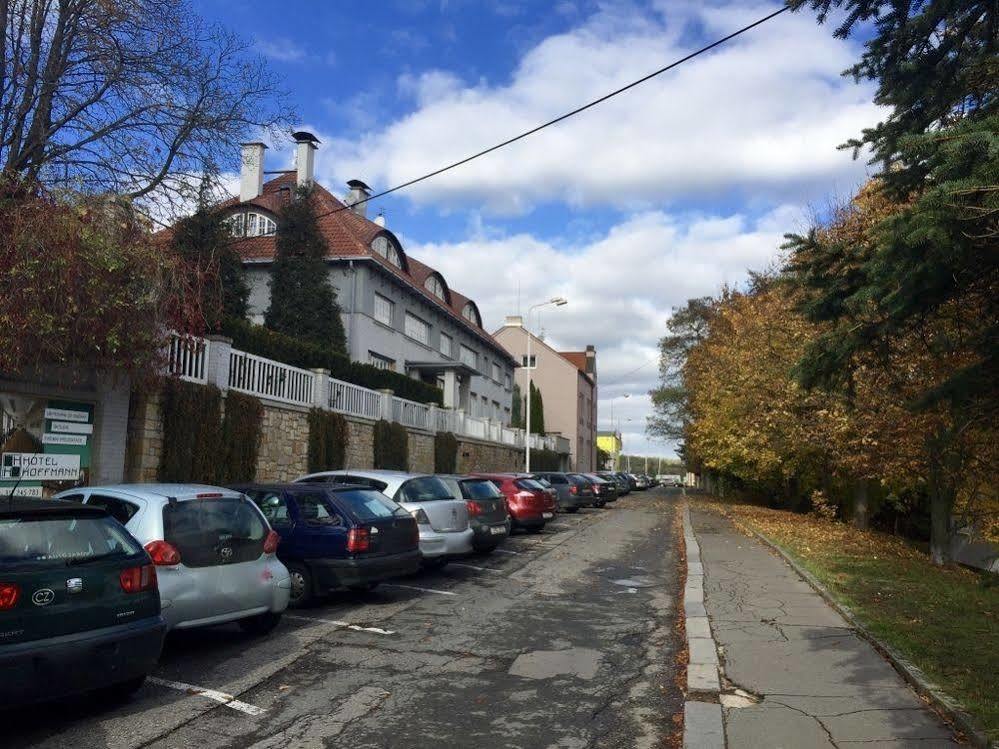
(441, 518)
(213, 549)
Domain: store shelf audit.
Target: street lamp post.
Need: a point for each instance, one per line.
(557, 302)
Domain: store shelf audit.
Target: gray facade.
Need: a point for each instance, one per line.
(369, 340)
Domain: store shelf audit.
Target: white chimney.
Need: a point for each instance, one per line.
(251, 171)
(380, 219)
(513, 321)
(358, 191)
(305, 157)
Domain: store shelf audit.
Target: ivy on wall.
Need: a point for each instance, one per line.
(241, 431)
(327, 440)
(445, 453)
(391, 446)
(545, 460)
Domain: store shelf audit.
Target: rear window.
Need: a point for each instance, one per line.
(529, 485)
(64, 540)
(578, 481)
(209, 532)
(480, 489)
(424, 489)
(554, 478)
(367, 505)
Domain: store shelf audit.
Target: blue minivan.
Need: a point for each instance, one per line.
(337, 536)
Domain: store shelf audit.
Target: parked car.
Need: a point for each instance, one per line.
(546, 484)
(442, 519)
(623, 485)
(529, 504)
(585, 487)
(641, 483)
(79, 606)
(568, 495)
(604, 489)
(214, 552)
(337, 536)
(487, 513)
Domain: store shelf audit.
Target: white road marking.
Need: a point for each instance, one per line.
(422, 590)
(473, 567)
(343, 625)
(505, 551)
(226, 699)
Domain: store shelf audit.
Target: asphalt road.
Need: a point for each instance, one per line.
(565, 640)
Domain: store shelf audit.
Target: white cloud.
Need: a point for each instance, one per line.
(760, 116)
(281, 49)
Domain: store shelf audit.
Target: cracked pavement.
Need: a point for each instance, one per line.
(572, 645)
(813, 682)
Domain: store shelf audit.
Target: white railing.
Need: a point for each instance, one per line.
(446, 420)
(267, 378)
(187, 357)
(475, 427)
(508, 436)
(354, 400)
(411, 413)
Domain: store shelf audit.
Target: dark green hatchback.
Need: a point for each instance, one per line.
(79, 605)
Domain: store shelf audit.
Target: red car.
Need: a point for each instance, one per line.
(528, 502)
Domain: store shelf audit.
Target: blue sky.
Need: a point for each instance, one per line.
(664, 193)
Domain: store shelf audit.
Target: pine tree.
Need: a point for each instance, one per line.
(537, 411)
(517, 408)
(303, 302)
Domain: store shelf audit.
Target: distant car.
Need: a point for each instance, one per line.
(337, 536)
(528, 502)
(603, 488)
(79, 606)
(641, 483)
(214, 552)
(623, 485)
(487, 513)
(441, 517)
(568, 495)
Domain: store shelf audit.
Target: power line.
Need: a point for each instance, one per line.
(562, 117)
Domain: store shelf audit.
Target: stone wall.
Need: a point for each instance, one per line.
(144, 441)
(421, 452)
(360, 443)
(284, 444)
(488, 456)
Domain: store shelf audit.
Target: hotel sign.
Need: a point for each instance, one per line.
(39, 467)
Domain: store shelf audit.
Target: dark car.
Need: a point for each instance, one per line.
(337, 536)
(528, 502)
(487, 513)
(604, 489)
(567, 492)
(623, 485)
(79, 604)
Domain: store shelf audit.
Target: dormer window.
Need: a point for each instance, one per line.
(435, 286)
(384, 247)
(251, 224)
(471, 314)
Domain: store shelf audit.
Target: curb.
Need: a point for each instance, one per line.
(703, 724)
(911, 673)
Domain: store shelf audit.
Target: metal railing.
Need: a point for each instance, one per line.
(255, 375)
(187, 357)
(354, 400)
(411, 413)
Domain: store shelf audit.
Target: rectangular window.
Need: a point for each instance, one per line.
(417, 329)
(382, 362)
(469, 357)
(496, 410)
(534, 361)
(497, 375)
(446, 345)
(383, 309)
(506, 382)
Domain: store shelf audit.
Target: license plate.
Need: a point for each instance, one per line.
(547, 515)
(497, 530)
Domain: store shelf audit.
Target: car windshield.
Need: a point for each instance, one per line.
(424, 489)
(529, 485)
(63, 540)
(578, 480)
(479, 489)
(367, 505)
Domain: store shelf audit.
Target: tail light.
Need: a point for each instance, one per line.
(163, 554)
(138, 579)
(416, 533)
(573, 489)
(9, 595)
(421, 516)
(271, 542)
(474, 508)
(358, 540)
(208, 495)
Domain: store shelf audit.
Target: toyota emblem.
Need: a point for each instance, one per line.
(43, 597)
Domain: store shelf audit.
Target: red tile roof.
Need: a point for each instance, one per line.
(578, 360)
(349, 235)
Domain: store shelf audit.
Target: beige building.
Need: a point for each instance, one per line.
(568, 384)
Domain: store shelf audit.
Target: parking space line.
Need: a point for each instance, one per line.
(422, 590)
(226, 699)
(473, 567)
(342, 625)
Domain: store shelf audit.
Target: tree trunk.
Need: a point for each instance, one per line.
(861, 511)
(941, 504)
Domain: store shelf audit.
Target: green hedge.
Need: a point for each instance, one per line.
(241, 430)
(256, 339)
(546, 460)
(445, 453)
(327, 441)
(391, 446)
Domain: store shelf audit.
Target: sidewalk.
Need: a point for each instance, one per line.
(806, 678)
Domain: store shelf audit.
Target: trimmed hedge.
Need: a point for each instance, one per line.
(192, 432)
(546, 460)
(256, 339)
(241, 431)
(445, 453)
(327, 441)
(391, 446)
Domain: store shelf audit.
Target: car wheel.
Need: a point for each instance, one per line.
(535, 529)
(364, 587)
(572, 510)
(301, 585)
(435, 563)
(261, 624)
(125, 689)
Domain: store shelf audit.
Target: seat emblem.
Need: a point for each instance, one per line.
(43, 597)
(74, 584)
(226, 552)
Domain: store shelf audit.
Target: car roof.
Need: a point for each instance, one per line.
(374, 473)
(292, 487)
(160, 491)
(19, 506)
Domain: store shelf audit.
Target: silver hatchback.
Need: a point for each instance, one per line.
(213, 549)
